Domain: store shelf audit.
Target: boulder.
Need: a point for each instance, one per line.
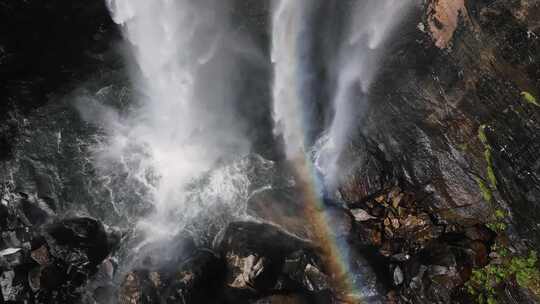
(203, 272)
(83, 238)
(198, 279)
(55, 260)
(263, 259)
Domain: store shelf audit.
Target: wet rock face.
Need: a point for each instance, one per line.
(197, 279)
(84, 234)
(262, 258)
(287, 208)
(443, 19)
(251, 263)
(45, 259)
(43, 46)
(457, 71)
(427, 259)
(41, 38)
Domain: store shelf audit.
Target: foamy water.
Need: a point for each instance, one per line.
(185, 123)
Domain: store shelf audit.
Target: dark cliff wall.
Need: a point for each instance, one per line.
(46, 46)
(448, 114)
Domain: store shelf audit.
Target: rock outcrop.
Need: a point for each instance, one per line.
(47, 259)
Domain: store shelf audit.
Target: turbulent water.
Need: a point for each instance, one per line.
(183, 144)
(185, 123)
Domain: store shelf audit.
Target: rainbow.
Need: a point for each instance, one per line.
(291, 34)
(336, 253)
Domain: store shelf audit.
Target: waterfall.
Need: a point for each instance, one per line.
(370, 25)
(185, 122)
(288, 26)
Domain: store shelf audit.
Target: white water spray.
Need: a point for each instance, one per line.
(371, 24)
(185, 123)
(288, 22)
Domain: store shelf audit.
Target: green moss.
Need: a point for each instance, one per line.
(484, 189)
(490, 171)
(482, 135)
(529, 98)
(491, 176)
(483, 282)
(497, 226)
(500, 214)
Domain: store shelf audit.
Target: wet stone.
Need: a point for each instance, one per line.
(398, 276)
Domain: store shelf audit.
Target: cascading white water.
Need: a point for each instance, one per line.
(288, 23)
(185, 123)
(371, 22)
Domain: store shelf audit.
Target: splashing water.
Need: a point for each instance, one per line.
(185, 123)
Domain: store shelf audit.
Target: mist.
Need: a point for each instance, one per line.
(184, 123)
(289, 29)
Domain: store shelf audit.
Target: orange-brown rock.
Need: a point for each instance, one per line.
(443, 19)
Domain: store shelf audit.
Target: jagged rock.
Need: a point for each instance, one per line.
(301, 267)
(34, 279)
(361, 215)
(11, 257)
(188, 282)
(434, 274)
(36, 211)
(138, 288)
(79, 238)
(202, 272)
(398, 276)
(262, 258)
(102, 288)
(443, 19)
(8, 286)
(364, 171)
(41, 255)
(51, 267)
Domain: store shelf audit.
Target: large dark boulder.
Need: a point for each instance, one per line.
(86, 235)
(263, 259)
(195, 279)
(44, 259)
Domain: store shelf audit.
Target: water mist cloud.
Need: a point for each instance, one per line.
(185, 121)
